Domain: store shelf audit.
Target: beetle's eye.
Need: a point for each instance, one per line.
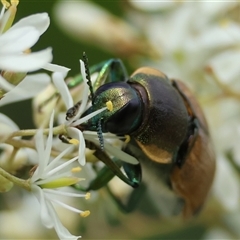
(127, 107)
(126, 119)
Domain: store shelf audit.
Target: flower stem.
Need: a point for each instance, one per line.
(31, 132)
(20, 182)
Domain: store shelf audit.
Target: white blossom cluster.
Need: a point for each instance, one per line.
(197, 42)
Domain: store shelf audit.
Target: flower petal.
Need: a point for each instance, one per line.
(45, 214)
(60, 84)
(55, 161)
(18, 41)
(42, 162)
(30, 86)
(77, 134)
(61, 231)
(84, 119)
(56, 68)
(60, 167)
(26, 62)
(85, 91)
(40, 21)
(8, 121)
(47, 152)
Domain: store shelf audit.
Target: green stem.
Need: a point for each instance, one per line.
(20, 182)
(31, 132)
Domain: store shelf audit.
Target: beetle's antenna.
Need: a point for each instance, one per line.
(88, 76)
(100, 135)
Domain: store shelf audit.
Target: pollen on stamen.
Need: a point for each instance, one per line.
(88, 195)
(128, 138)
(74, 141)
(85, 213)
(109, 105)
(76, 169)
(5, 4)
(15, 2)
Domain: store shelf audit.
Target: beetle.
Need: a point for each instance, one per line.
(168, 133)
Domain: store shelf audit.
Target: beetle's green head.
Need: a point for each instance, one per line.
(126, 113)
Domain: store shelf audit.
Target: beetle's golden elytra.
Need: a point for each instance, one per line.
(168, 130)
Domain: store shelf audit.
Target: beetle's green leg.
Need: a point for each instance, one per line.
(112, 70)
(133, 177)
(133, 172)
(133, 200)
(72, 112)
(101, 180)
(114, 65)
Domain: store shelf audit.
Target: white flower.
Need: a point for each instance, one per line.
(27, 88)
(53, 174)
(14, 42)
(21, 37)
(16, 60)
(75, 121)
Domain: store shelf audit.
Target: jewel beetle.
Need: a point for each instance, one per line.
(168, 133)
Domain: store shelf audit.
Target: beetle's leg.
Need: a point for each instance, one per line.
(133, 172)
(72, 112)
(188, 143)
(64, 138)
(101, 180)
(111, 71)
(130, 204)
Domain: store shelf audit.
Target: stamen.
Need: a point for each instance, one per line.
(109, 105)
(66, 206)
(128, 138)
(61, 193)
(5, 4)
(14, 2)
(56, 169)
(88, 195)
(85, 213)
(84, 119)
(55, 161)
(74, 141)
(76, 169)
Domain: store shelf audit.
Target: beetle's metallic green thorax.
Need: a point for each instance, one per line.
(165, 119)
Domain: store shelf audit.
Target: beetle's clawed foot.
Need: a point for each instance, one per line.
(72, 112)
